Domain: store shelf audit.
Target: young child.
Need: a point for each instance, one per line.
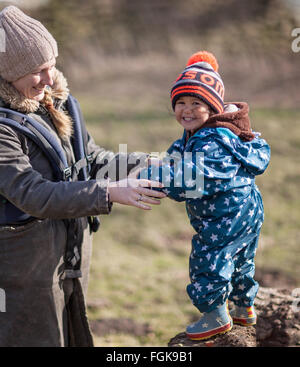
(227, 210)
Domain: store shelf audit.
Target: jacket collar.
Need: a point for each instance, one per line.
(235, 118)
(17, 101)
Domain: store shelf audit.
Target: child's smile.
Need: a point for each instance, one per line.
(191, 113)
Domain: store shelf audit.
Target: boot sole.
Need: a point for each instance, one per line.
(208, 334)
(244, 322)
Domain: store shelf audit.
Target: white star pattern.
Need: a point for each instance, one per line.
(223, 215)
(212, 267)
(226, 139)
(209, 287)
(211, 207)
(214, 237)
(197, 286)
(190, 183)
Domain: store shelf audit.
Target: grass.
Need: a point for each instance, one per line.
(140, 259)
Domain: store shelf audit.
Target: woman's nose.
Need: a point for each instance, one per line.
(47, 78)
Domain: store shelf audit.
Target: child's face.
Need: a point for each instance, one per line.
(191, 113)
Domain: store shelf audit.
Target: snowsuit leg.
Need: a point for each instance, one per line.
(224, 271)
(244, 287)
(210, 274)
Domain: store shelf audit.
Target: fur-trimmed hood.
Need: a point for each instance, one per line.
(17, 101)
(235, 118)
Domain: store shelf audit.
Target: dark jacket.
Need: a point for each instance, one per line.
(42, 306)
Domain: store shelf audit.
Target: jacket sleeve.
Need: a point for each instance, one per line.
(28, 190)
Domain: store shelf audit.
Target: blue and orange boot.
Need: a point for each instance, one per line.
(210, 324)
(245, 316)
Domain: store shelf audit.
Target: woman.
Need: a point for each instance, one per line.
(43, 284)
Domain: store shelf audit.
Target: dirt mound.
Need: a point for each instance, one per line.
(274, 278)
(278, 324)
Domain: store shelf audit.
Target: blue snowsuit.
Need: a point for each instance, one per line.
(225, 209)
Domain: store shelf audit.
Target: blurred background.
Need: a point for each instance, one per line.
(120, 58)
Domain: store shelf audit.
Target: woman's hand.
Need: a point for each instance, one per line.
(135, 192)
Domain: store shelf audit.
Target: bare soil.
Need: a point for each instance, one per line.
(278, 323)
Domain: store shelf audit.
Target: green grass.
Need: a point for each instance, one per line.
(140, 259)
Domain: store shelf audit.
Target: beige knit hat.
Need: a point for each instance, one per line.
(28, 44)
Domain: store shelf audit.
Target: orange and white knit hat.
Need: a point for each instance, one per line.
(200, 78)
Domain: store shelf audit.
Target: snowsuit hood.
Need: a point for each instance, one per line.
(235, 118)
(233, 130)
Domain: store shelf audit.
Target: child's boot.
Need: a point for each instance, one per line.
(211, 323)
(245, 316)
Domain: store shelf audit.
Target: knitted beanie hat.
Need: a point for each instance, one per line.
(27, 44)
(200, 78)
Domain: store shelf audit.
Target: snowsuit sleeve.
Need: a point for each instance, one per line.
(196, 173)
(210, 163)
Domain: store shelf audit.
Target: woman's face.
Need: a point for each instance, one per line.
(33, 85)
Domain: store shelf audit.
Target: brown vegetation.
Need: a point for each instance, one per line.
(100, 40)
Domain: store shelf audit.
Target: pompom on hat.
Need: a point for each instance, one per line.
(27, 44)
(201, 79)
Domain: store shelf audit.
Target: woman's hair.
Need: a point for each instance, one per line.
(61, 119)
